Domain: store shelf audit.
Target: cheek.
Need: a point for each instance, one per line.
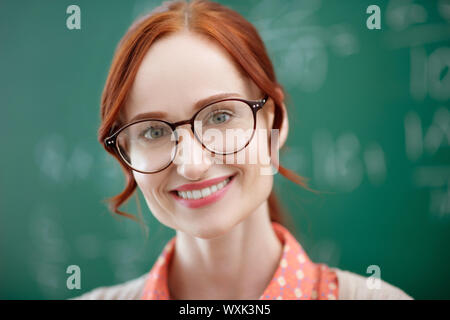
(257, 174)
(256, 154)
(146, 182)
(254, 189)
(152, 188)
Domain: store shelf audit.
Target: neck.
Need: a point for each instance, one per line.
(237, 265)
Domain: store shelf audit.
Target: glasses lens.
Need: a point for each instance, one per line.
(147, 146)
(225, 127)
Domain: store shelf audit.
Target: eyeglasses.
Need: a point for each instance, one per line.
(222, 127)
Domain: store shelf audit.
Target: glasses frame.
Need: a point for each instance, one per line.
(112, 141)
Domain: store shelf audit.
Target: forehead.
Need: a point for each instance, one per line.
(180, 69)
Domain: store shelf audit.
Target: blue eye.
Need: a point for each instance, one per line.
(220, 117)
(153, 133)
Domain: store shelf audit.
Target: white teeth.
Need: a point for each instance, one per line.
(206, 192)
(197, 194)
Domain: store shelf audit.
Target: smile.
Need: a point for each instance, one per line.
(203, 193)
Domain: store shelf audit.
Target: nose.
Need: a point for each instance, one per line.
(191, 160)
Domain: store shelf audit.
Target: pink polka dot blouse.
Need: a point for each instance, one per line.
(296, 278)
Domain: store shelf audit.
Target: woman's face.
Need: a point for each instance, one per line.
(176, 73)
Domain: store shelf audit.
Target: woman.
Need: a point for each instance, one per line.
(182, 79)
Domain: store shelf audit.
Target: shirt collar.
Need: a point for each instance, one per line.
(296, 277)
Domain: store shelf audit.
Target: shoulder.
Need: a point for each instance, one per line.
(353, 286)
(130, 290)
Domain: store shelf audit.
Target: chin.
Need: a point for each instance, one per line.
(211, 230)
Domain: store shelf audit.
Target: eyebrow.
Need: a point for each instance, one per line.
(197, 105)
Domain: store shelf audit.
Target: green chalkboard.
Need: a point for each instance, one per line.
(369, 126)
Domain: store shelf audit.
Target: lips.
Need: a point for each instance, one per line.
(199, 194)
(202, 184)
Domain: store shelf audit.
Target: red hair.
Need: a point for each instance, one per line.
(225, 26)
